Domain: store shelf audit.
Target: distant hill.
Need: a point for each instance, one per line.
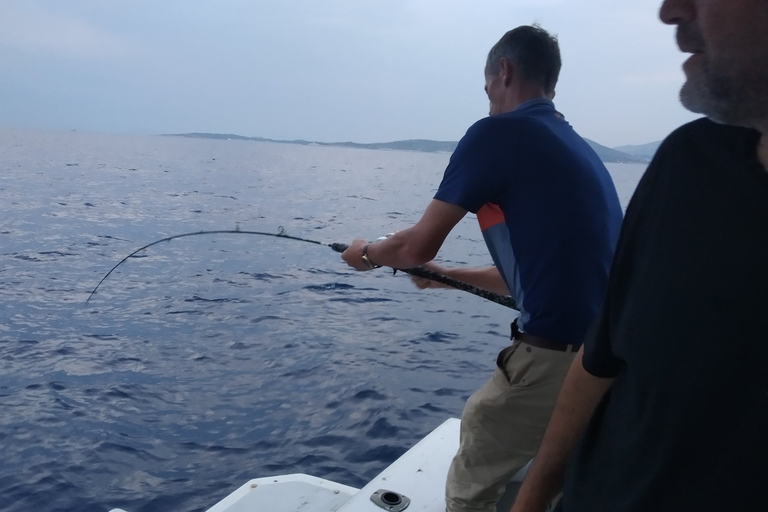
(606, 154)
(427, 146)
(643, 150)
(609, 155)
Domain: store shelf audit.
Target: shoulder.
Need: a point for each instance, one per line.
(705, 127)
(508, 121)
(701, 153)
(705, 139)
(491, 129)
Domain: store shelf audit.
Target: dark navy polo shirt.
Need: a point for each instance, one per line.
(548, 210)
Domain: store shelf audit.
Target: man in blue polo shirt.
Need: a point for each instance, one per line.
(550, 217)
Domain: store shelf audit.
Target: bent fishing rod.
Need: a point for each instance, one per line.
(504, 300)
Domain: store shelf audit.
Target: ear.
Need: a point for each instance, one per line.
(506, 71)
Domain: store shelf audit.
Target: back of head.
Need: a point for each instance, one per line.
(533, 51)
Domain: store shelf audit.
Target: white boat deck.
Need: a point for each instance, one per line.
(417, 477)
(415, 481)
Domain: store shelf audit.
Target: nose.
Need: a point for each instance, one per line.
(673, 12)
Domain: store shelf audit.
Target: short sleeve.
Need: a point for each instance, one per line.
(472, 177)
(598, 358)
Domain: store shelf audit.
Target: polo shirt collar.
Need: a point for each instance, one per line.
(534, 103)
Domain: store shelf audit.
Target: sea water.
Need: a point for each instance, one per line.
(209, 360)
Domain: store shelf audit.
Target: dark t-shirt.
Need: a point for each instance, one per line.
(684, 330)
(548, 210)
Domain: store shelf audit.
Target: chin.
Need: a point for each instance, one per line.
(696, 96)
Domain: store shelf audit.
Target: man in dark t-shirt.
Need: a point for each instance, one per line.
(666, 407)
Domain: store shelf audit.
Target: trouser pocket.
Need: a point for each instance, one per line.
(503, 358)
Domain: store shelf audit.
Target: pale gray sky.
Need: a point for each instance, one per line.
(333, 70)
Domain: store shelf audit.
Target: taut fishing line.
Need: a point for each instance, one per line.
(504, 300)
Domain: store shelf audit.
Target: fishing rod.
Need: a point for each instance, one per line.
(504, 300)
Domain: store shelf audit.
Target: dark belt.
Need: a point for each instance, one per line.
(539, 342)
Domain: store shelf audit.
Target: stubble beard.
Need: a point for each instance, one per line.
(696, 96)
(736, 97)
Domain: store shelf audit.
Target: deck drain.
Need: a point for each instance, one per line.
(390, 500)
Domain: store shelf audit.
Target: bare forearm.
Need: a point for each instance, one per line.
(410, 247)
(487, 278)
(580, 394)
(402, 250)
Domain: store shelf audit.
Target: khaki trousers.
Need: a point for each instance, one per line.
(502, 425)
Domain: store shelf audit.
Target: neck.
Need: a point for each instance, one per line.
(534, 96)
(521, 95)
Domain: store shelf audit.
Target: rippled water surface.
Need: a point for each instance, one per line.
(209, 360)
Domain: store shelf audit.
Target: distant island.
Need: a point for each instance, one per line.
(625, 154)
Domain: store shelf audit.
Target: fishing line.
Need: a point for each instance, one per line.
(504, 300)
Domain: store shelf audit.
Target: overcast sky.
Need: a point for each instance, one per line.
(325, 70)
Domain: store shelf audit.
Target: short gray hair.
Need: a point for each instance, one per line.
(533, 50)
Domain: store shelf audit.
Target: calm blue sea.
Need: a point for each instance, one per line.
(209, 360)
